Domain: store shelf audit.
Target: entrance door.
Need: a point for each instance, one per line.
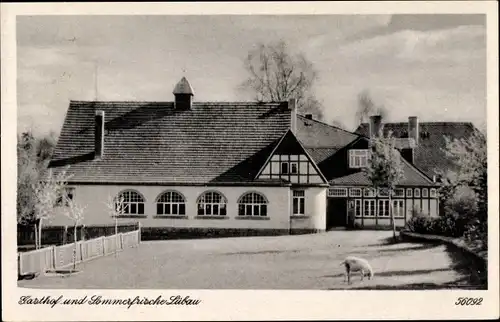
(336, 212)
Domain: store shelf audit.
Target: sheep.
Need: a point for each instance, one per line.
(352, 264)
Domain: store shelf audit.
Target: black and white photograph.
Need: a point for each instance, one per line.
(312, 152)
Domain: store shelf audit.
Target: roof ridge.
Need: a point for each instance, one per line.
(194, 103)
(428, 123)
(329, 125)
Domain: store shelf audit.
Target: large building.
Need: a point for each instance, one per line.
(233, 166)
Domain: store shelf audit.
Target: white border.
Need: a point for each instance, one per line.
(246, 305)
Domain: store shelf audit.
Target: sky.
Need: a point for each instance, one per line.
(430, 66)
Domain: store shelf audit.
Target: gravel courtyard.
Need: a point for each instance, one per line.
(285, 262)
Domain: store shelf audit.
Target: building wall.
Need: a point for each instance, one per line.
(315, 210)
(94, 198)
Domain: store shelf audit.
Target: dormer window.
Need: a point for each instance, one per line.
(358, 158)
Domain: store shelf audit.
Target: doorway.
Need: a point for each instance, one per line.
(336, 213)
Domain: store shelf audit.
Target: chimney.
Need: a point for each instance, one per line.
(413, 129)
(183, 93)
(375, 125)
(407, 154)
(309, 116)
(292, 105)
(99, 134)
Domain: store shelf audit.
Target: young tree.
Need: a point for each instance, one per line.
(116, 208)
(367, 107)
(277, 75)
(47, 191)
(75, 212)
(385, 169)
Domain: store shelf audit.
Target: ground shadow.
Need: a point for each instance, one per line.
(468, 266)
(262, 252)
(400, 273)
(406, 249)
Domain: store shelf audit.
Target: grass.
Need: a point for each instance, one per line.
(284, 262)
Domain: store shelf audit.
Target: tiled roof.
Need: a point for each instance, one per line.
(150, 142)
(316, 134)
(428, 155)
(411, 177)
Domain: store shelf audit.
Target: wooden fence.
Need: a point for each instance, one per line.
(60, 257)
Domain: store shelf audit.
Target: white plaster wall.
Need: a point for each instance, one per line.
(315, 210)
(94, 198)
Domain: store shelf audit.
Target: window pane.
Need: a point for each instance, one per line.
(167, 209)
(175, 209)
(241, 210)
(159, 209)
(182, 209)
(284, 167)
(208, 209)
(141, 209)
(223, 210)
(294, 168)
(263, 210)
(201, 209)
(295, 206)
(302, 206)
(256, 210)
(133, 208)
(215, 209)
(126, 208)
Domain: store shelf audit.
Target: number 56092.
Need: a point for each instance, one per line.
(469, 301)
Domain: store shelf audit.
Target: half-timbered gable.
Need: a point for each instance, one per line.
(290, 161)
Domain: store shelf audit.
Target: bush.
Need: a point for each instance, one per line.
(420, 223)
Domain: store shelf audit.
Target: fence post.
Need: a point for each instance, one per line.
(54, 256)
(139, 234)
(121, 241)
(103, 246)
(81, 251)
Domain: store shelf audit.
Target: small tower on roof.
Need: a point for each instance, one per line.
(183, 93)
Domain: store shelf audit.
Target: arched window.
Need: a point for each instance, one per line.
(252, 204)
(171, 203)
(212, 203)
(129, 203)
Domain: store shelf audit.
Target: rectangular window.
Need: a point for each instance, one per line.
(425, 193)
(284, 167)
(369, 192)
(433, 193)
(369, 208)
(337, 192)
(293, 168)
(417, 193)
(409, 192)
(399, 192)
(298, 202)
(398, 208)
(383, 208)
(358, 158)
(355, 192)
(357, 208)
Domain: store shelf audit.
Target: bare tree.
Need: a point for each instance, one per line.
(277, 75)
(47, 191)
(385, 169)
(116, 208)
(367, 107)
(75, 212)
